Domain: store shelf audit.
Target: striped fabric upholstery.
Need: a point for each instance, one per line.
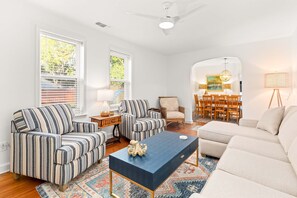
(64, 173)
(55, 119)
(147, 124)
(145, 134)
(154, 114)
(138, 122)
(32, 154)
(137, 108)
(75, 145)
(48, 149)
(85, 127)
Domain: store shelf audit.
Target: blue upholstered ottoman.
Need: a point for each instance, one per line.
(166, 152)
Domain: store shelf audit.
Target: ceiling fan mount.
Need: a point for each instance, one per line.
(167, 22)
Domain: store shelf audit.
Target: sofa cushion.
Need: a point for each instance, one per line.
(75, 145)
(171, 104)
(175, 114)
(138, 108)
(55, 119)
(146, 124)
(288, 129)
(269, 172)
(271, 120)
(292, 154)
(224, 185)
(222, 132)
(260, 147)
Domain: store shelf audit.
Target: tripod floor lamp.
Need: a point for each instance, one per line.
(276, 81)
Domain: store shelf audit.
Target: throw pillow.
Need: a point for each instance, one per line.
(271, 120)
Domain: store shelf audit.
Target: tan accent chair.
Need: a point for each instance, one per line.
(171, 111)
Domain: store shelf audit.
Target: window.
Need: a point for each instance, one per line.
(120, 76)
(61, 71)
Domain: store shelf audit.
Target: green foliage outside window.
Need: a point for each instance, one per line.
(57, 57)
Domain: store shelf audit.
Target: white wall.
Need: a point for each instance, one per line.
(256, 58)
(18, 23)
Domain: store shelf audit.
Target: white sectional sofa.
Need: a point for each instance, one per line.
(254, 163)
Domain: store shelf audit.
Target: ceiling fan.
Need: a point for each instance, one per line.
(167, 22)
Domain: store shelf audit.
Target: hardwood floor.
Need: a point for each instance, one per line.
(25, 186)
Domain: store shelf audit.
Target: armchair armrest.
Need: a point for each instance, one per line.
(128, 120)
(248, 123)
(85, 127)
(154, 114)
(164, 112)
(181, 109)
(34, 149)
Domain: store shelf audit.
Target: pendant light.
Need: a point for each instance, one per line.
(226, 74)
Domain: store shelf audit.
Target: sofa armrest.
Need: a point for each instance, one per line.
(34, 149)
(154, 114)
(181, 109)
(248, 123)
(85, 127)
(196, 195)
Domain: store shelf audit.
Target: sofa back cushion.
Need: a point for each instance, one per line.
(288, 129)
(271, 120)
(171, 104)
(55, 119)
(137, 108)
(292, 154)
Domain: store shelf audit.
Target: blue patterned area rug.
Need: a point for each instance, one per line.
(186, 180)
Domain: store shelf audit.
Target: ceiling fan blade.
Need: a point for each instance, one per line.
(143, 15)
(176, 19)
(191, 12)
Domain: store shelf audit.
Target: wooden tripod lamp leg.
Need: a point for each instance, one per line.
(271, 99)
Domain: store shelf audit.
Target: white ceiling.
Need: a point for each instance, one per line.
(220, 22)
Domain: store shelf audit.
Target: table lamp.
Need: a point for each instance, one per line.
(105, 95)
(276, 81)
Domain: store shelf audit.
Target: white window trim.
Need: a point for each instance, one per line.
(82, 75)
(128, 72)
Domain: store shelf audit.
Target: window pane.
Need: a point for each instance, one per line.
(54, 91)
(119, 93)
(117, 68)
(57, 57)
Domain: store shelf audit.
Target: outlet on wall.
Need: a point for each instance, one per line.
(4, 146)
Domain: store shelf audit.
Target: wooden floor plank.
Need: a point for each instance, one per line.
(25, 186)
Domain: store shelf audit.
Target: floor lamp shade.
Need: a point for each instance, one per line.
(276, 81)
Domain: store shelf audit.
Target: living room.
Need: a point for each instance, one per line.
(261, 35)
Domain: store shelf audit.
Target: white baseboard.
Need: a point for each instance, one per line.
(4, 168)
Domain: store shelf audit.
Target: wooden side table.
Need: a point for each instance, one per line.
(114, 121)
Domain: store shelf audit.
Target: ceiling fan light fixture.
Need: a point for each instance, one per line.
(166, 25)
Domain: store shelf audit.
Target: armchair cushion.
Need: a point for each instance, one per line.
(146, 124)
(171, 104)
(75, 145)
(55, 119)
(175, 115)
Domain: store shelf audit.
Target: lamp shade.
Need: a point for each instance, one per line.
(202, 86)
(105, 95)
(227, 86)
(277, 80)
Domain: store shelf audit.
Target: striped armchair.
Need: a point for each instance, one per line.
(138, 122)
(47, 144)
